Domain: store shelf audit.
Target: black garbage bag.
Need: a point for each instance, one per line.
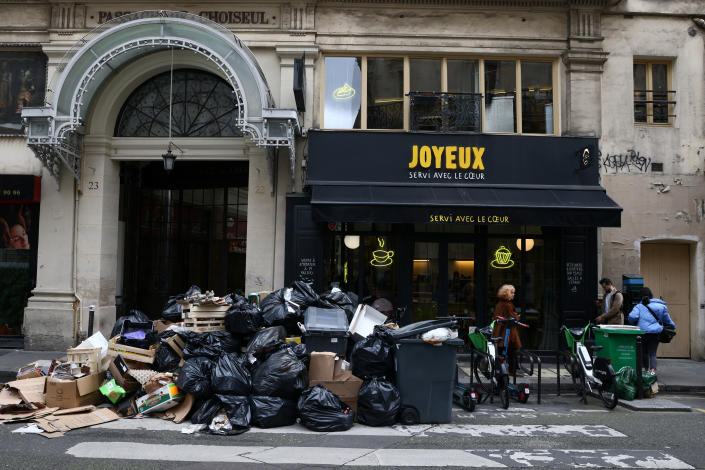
(172, 310)
(372, 357)
(264, 341)
(301, 352)
(278, 309)
(195, 377)
(378, 403)
(338, 299)
(237, 410)
(165, 358)
(211, 345)
(303, 295)
(322, 410)
(134, 316)
(230, 375)
(242, 317)
(281, 375)
(272, 412)
(205, 410)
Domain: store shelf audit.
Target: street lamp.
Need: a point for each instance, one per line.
(169, 159)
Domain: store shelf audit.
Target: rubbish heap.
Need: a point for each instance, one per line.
(226, 363)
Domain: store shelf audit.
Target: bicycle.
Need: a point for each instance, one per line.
(586, 371)
(491, 370)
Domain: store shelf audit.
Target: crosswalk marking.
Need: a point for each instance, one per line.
(350, 456)
(420, 430)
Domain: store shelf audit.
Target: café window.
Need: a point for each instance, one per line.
(439, 94)
(654, 101)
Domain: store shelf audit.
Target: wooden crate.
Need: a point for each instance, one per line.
(207, 310)
(204, 325)
(131, 352)
(89, 356)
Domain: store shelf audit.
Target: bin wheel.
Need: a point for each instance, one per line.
(409, 416)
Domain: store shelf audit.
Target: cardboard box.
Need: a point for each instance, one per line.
(130, 352)
(364, 322)
(74, 393)
(120, 371)
(162, 399)
(161, 325)
(343, 384)
(321, 367)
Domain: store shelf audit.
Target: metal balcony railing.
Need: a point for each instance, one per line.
(445, 112)
(653, 105)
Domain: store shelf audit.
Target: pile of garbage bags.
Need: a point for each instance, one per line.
(250, 375)
(626, 382)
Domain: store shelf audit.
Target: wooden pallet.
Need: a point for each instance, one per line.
(204, 325)
(207, 310)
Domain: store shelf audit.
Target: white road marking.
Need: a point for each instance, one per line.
(549, 458)
(423, 458)
(523, 430)
(421, 430)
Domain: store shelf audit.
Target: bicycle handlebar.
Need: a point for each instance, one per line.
(511, 320)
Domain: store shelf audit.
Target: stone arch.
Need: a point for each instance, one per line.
(55, 131)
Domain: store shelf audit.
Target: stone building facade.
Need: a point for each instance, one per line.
(96, 245)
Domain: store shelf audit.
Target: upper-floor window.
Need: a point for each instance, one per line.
(439, 94)
(654, 100)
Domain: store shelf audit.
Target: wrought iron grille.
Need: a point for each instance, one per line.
(203, 105)
(445, 112)
(652, 106)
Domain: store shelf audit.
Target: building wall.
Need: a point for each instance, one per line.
(658, 205)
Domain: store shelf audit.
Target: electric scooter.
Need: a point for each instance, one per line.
(519, 392)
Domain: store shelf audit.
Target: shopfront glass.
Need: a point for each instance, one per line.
(425, 282)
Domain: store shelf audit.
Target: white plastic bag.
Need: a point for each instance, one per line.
(439, 335)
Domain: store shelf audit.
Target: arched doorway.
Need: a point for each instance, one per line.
(187, 226)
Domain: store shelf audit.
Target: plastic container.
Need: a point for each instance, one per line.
(326, 330)
(618, 345)
(425, 376)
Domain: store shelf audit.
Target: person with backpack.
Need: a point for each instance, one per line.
(651, 315)
(612, 306)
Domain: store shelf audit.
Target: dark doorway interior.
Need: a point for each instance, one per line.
(183, 228)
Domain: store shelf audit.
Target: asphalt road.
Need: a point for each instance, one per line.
(559, 433)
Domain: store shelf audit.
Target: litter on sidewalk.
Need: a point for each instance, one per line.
(227, 363)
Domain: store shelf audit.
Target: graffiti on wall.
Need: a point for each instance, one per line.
(630, 162)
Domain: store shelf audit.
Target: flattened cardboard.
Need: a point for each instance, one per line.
(74, 393)
(179, 412)
(65, 423)
(157, 381)
(9, 397)
(321, 366)
(30, 390)
(162, 325)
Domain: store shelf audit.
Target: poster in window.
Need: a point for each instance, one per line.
(22, 83)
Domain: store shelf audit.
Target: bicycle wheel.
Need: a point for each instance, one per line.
(503, 385)
(482, 371)
(579, 384)
(608, 389)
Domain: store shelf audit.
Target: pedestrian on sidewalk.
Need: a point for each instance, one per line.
(505, 309)
(611, 308)
(647, 315)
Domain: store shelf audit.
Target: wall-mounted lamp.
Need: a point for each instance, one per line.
(528, 244)
(169, 159)
(352, 242)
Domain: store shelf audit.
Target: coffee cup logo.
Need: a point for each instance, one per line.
(381, 258)
(344, 92)
(502, 258)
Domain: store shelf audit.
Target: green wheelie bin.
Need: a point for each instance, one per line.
(618, 344)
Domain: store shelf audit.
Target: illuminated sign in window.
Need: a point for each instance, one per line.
(344, 92)
(381, 258)
(502, 259)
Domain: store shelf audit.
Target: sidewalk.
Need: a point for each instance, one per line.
(674, 375)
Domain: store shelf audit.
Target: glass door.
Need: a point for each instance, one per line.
(425, 281)
(461, 280)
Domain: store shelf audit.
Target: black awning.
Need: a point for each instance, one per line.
(551, 206)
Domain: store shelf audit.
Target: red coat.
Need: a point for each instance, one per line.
(505, 309)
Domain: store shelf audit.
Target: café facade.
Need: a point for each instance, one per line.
(437, 222)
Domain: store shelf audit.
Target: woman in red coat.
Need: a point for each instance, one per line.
(505, 309)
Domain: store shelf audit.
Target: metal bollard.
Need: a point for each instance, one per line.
(91, 315)
(639, 366)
